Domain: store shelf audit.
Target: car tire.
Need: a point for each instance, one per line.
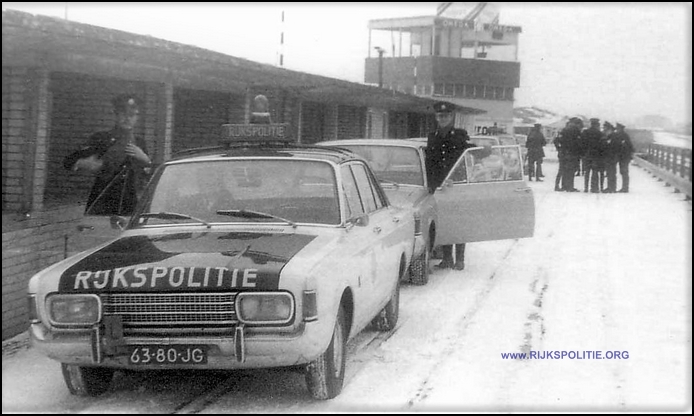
(87, 381)
(419, 269)
(325, 375)
(387, 318)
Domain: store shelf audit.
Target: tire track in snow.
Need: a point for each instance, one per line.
(461, 324)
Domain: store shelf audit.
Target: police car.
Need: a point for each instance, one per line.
(483, 198)
(240, 256)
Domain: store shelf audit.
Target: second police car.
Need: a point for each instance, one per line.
(483, 198)
(246, 256)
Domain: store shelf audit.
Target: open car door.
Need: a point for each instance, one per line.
(485, 198)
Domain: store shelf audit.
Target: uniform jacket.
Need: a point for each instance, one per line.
(443, 150)
(119, 179)
(626, 149)
(535, 143)
(568, 143)
(593, 143)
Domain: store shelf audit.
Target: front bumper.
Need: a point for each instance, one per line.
(241, 348)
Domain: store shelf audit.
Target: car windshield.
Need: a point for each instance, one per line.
(290, 191)
(392, 164)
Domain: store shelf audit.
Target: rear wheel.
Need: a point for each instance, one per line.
(388, 317)
(325, 375)
(87, 381)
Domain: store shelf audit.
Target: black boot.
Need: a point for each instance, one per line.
(447, 262)
(459, 257)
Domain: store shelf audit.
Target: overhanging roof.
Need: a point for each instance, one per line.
(59, 45)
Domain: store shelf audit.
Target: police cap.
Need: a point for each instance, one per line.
(620, 125)
(443, 107)
(125, 103)
(608, 125)
(595, 121)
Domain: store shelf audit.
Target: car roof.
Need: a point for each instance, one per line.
(375, 142)
(325, 153)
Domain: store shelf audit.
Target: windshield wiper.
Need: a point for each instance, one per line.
(244, 213)
(173, 216)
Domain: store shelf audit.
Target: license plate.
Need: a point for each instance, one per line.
(167, 354)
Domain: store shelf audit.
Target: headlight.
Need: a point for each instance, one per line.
(73, 310)
(265, 308)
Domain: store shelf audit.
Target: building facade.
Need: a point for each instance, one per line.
(464, 57)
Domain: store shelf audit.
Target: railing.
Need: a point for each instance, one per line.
(671, 164)
(677, 160)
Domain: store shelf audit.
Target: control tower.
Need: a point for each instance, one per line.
(461, 54)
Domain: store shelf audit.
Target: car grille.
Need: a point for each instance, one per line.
(171, 310)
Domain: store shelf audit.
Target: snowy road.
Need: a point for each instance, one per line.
(604, 272)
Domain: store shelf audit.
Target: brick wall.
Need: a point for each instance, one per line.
(29, 245)
(351, 122)
(14, 111)
(199, 115)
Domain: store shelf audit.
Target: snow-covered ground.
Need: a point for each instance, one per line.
(604, 272)
(672, 139)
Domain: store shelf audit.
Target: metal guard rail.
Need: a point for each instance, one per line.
(670, 164)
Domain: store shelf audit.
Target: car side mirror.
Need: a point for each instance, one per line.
(118, 223)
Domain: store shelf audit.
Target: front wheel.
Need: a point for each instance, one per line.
(325, 375)
(87, 381)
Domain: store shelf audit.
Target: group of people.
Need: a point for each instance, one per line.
(600, 151)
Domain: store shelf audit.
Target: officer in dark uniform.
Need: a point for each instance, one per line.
(626, 152)
(610, 157)
(572, 151)
(535, 143)
(444, 148)
(593, 146)
(119, 160)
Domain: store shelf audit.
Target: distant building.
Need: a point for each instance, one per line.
(461, 54)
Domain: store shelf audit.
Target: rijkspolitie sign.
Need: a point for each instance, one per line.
(256, 132)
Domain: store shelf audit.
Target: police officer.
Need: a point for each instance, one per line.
(444, 148)
(535, 143)
(610, 157)
(571, 149)
(119, 160)
(593, 147)
(626, 151)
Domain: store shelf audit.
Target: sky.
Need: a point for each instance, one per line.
(614, 61)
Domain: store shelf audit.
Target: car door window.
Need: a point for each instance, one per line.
(364, 186)
(349, 185)
(503, 163)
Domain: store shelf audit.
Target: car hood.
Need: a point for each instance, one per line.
(405, 196)
(180, 262)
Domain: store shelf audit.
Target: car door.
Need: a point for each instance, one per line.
(359, 250)
(388, 241)
(485, 197)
